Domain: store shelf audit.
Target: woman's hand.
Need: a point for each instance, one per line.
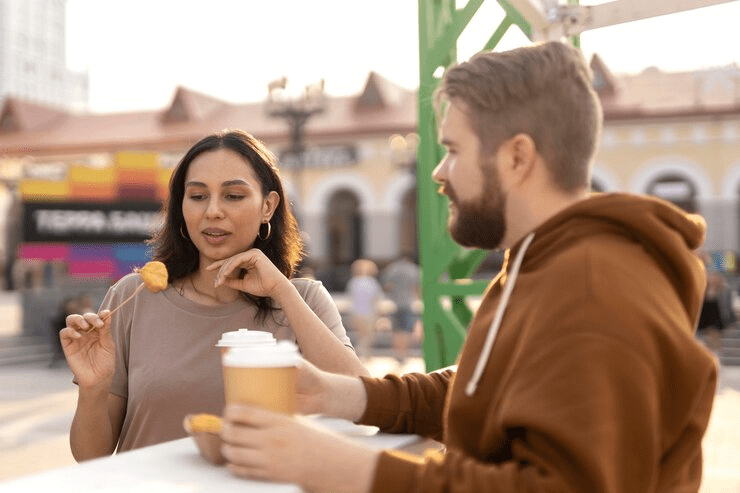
(89, 348)
(266, 445)
(261, 277)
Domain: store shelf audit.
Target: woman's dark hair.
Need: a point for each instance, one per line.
(283, 247)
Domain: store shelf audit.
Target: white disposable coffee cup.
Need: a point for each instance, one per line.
(244, 338)
(262, 375)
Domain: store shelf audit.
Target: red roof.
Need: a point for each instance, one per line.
(27, 128)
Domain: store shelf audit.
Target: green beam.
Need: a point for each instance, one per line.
(445, 266)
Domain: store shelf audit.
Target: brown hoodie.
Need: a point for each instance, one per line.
(595, 382)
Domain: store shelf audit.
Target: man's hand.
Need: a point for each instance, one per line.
(266, 445)
(321, 392)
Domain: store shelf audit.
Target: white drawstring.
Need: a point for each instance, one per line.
(472, 385)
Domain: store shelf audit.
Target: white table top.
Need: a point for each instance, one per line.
(175, 467)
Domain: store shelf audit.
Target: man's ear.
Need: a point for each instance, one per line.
(518, 156)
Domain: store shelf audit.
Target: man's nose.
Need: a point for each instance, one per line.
(440, 171)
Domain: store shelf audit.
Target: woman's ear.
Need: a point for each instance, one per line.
(270, 204)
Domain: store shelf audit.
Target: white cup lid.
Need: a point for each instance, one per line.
(280, 354)
(244, 337)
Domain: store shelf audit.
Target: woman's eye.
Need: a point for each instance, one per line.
(197, 197)
(234, 196)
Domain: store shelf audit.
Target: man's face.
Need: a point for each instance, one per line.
(472, 183)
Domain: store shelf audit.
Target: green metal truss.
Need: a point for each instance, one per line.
(445, 266)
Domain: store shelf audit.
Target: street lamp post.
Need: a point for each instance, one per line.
(297, 111)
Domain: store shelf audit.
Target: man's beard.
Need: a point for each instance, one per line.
(480, 223)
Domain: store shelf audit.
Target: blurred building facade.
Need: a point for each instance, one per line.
(33, 62)
(675, 135)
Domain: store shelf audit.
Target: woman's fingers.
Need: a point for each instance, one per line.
(69, 335)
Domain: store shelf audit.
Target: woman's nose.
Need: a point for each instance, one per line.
(214, 208)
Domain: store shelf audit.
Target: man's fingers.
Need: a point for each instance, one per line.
(248, 472)
(252, 416)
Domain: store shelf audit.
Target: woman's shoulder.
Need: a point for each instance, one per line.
(127, 283)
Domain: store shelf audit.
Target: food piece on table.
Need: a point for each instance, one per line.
(205, 422)
(154, 275)
(205, 429)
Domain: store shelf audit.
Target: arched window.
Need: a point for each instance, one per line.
(675, 188)
(409, 233)
(344, 228)
(596, 186)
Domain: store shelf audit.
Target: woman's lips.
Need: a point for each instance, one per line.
(215, 236)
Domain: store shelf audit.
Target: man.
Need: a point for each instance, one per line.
(595, 382)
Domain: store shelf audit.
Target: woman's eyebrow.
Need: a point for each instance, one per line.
(227, 183)
(230, 183)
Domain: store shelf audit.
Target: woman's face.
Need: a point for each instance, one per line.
(223, 205)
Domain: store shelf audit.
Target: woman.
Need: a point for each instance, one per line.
(230, 244)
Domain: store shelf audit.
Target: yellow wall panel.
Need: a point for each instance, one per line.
(137, 160)
(83, 174)
(44, 190)
(163, 183)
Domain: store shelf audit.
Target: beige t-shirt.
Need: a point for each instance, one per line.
(167, 364)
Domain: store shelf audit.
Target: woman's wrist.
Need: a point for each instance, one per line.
(345, 397)
(284, 292)
(96, 391)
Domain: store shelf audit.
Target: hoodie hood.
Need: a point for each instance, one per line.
(669, 234)
(666, 232)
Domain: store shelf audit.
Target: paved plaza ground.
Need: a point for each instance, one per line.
(37, 404)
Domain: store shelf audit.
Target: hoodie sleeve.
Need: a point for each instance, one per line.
(412, 403)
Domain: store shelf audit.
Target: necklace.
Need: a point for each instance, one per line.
(192, 283)
(181, 289)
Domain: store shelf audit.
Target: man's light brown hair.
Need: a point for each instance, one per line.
(544, 91)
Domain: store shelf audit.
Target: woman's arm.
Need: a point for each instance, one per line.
(318, 344)
(90, 352)
(97, 424)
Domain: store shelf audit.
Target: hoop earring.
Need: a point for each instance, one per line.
(183, 234)
(269, 231)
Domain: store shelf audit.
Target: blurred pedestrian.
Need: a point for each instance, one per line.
(400, 281)
(364, 292)
(712, 320)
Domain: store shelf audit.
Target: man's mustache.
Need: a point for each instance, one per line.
(447, 189)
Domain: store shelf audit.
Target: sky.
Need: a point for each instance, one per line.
(137, 52)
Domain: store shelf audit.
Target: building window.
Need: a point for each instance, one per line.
(676, 189)
(344, 228)
(408, 236)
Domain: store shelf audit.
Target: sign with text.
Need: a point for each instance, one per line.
(94, 222)
(320, 157)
